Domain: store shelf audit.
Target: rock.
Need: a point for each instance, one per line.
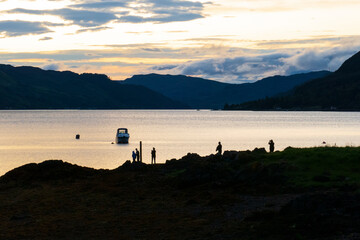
(134, 166)
(46, 171)
(259, 150)
(231, 155)
(126, 164)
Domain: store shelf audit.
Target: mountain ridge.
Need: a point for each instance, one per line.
(338, 91)
(34, 88)
(204, 93)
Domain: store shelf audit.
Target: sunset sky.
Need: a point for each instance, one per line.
(226, 40)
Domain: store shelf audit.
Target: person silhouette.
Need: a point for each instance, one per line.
(153, 156)
(137, 155)
(271, 145)
(219, 149)
(133, 156)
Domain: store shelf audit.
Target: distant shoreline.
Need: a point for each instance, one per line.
(194, 110)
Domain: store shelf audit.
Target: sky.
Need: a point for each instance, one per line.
(234, 41)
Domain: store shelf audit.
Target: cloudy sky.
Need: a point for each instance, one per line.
(226, 40)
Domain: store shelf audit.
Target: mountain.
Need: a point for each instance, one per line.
(202, 93)
(338, 91)
(196, 92)
(34, 88)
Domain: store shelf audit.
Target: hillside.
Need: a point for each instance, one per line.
(338, 91)
(202, 93)
(34, 88)
(196, 92)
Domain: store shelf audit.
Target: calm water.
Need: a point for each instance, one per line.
(35, 136)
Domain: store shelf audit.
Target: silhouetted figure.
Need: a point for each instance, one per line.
(153, 156)
(137, 155)
(219, 149)
(133, 156)
(272, 145)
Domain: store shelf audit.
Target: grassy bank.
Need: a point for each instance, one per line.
(321, 166)
(294, 169)
(239, 195)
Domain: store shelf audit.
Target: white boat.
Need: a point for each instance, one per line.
(122, 136)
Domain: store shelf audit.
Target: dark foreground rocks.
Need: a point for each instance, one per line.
(240, 195)
(327, 215)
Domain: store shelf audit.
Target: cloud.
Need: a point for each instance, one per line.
(45, 38)
(164, 67)
(19, 28)
(257, 66)
(175, 17)
(101, 5)
(134, 46)
(313, 59)
(235, 65)
(99, 13)
(84, 18)
(152, 49)
(246, 68)
(93, 29)
(283, 5)
(162, 18)
(166, 11)
(143, 32)
(53, 66)
(312, 41)
(175, 4)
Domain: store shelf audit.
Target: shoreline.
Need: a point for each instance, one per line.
(241, 194)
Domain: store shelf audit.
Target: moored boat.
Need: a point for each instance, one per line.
(122, 136)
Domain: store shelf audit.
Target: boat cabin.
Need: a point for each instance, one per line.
(122, 130)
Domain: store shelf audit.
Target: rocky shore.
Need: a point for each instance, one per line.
(294, 194)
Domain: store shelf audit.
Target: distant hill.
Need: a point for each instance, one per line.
(34, 88)
(196, 92)
(338, 91)
(202, 93)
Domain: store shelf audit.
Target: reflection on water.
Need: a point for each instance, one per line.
(34, 136)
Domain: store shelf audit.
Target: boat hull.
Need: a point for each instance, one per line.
(122, 140)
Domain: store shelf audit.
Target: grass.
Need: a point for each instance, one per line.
(319, 166)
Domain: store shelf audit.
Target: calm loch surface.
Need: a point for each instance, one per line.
(35, 136)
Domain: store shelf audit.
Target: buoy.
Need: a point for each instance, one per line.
(77, 136)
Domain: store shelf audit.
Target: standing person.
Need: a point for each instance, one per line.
(133, 156)
(271, 145)
(219, 149)
(153, 156)
(137, 155)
